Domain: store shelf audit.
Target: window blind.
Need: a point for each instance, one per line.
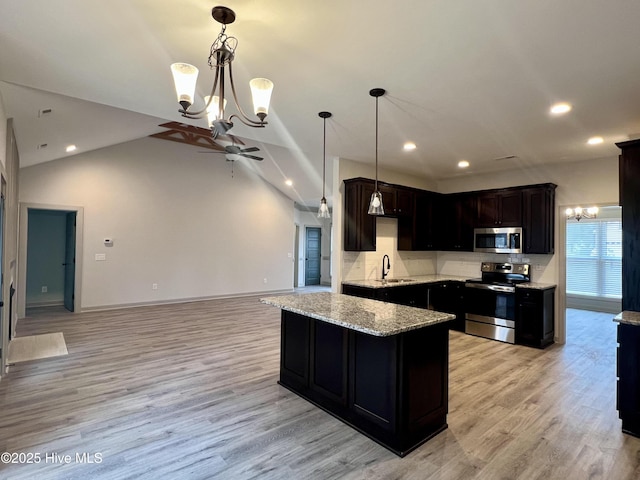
(594, 258)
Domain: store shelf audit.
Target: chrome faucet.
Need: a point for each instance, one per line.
(384, 274)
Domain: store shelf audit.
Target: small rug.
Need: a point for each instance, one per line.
(35, 347)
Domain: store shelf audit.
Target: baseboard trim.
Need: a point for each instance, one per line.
(51, 303)
(121, 306)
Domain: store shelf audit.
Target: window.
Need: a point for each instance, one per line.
(594, 257)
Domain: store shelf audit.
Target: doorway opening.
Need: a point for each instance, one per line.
(594, 262)
(50, 257)
(313, 256)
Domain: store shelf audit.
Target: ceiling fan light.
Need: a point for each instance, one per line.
(261, 89)
(185, 77)
(375, 206)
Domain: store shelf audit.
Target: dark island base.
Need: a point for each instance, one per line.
(392, 389)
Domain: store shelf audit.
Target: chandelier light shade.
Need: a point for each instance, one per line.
(579, 213)
(376, 206)
(323, 210)
(221, 58)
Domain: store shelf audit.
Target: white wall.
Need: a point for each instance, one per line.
(3, 135)
(177, 219)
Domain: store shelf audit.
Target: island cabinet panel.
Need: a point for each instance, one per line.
(394, 389)
(328, 366)
(373, 385)
(294, 360)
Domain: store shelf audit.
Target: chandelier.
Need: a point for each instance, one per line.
(221, 58)
(579, 212)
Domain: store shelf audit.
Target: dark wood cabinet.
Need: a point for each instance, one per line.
(534, 317)
(628, 373)
(397, 200)
(628, 358)
(458, 218)
(629, 164)
(426, 222)
(448, 297)
(499, 208)
(538, 218)
(359, 226)
(393, 389)
(434, 221)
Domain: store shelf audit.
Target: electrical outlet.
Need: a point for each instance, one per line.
(265, 280)
(44, 289)
(101, 257)
(154, 286)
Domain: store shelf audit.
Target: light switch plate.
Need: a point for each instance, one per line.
(101, 257)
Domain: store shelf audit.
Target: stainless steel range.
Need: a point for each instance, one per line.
(491, 300)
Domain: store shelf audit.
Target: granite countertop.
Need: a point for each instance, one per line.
(373, 317)
(421, 279)
(536, 285)
(628, 317)
(414, 280)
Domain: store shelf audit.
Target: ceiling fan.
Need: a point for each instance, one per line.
(236, 150)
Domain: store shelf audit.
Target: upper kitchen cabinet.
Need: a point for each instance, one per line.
(397, 200)
(359, 226)
(458, 217)
(499, 208)
(538, 218)
(426, 221)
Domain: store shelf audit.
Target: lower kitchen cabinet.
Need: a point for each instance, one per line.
(534, 317)
(628, 372)
(448, 297)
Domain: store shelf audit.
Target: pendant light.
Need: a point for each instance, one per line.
(323, 211)
(375, 206)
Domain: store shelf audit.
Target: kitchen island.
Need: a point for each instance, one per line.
(379, 367)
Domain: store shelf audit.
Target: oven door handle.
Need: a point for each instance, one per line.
(495, 288)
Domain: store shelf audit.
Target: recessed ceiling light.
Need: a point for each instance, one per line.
(288, 182)
(560, 108)
(409, 146)
(70, 148)
(463, 164)
(595, 140)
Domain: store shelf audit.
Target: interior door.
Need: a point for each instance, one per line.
(70, 262)
(312, 257)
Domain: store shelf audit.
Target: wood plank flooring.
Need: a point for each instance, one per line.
(189, 391)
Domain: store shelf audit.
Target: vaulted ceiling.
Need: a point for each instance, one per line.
(467, 79)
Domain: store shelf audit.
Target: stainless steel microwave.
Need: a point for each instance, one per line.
(497, 240)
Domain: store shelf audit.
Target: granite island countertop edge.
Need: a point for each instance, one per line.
(356, 313)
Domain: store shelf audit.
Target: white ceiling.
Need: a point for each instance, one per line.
(466, 79)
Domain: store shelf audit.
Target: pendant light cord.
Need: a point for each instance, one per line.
(324, 151)
(376, 186)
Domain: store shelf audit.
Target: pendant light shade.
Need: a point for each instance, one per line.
(323, 210)
(376, 206)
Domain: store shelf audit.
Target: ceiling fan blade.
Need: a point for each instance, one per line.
(221, 151)
(250, 149)
(252, 157)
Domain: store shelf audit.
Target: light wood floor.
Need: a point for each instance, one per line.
(189, 391)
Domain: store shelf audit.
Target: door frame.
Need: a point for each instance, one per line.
(23, 235)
